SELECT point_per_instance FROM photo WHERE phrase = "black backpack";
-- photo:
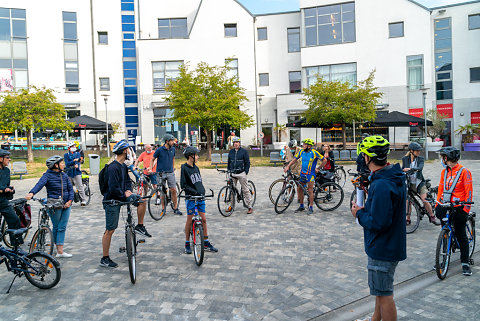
(103, 179)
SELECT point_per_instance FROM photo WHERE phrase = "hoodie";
(383, 217)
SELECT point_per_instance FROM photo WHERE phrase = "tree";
(209, 98)
(337, 102)
(467, 132)
(32, 110)
(438, 123)
(281, 131)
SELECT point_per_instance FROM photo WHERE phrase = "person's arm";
(185, 183)
(440, 187)
(68, 157)
(467, 181)
(376, 217)
(69, 188)
(229, 167)
(420, 163)
(322, 158)
(152, 161)
(38, 187)
(246, 159)
(114, 187)
(128, 184)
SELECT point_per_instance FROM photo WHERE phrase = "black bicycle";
(229, 194)
(339, 175)
(160, 197)
(42, 240)
(17, 205)
(86, 187)
(40, 269)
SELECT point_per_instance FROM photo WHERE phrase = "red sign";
(475, 117)
(416, 112)
(445, 109)
(413, 124)
(82, 125)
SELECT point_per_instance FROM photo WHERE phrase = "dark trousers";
(459, 219)
(13, 222)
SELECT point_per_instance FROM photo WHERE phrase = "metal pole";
(105, 98)
(261, 129)
(425, 118)
(354, 132)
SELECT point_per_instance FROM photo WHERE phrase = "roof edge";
(420, 5)
(276, 13)
(245, 8)
(455, 4)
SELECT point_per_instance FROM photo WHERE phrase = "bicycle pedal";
(140, 241)
(122, 249)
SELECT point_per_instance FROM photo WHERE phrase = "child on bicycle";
(191, 183)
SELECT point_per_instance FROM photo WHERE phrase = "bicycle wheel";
(6, 237)
(43, 271)
(42, 241)
(284, 199)
(253, 193)
(329, 196)
(226, 201)
(197, 242)
(86, 189)
(340, 176)
(157, 205)
(442, 254)
(131, 253)
(275, 189)
(170, 196)
(471, 236)
(413, 211)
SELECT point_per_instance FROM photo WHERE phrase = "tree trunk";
(344, 136)
(29, 146)
(209, 144)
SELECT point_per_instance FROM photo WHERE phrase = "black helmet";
(415, 146)
(292, 143)
(53, 160)
(168, 137)
(452, 153)
(4, 153)
(189, 151)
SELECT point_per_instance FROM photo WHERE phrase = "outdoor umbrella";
(89, 123)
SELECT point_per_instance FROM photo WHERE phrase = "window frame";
(100, 83)
(102, 33)
(260, 79)
(472, 15)
(163, 90)
(414, 57)
(395, 23)
(258, 33)
(170, 27)
(471, 69)
(299, 39)
(230, 26)
(290, 81)
(307, 85)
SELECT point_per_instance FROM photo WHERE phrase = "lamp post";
(105, 98)
(424, 94)
(260, 120)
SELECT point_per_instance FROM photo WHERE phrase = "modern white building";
(118, 55)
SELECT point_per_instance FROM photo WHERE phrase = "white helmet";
(71, 144)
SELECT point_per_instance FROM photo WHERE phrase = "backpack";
(103, 180)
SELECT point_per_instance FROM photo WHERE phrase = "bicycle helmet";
(53, 160)
(120, 147)
(4, 153)
(71, 144)
(235, 139)
(359, 147)
(309, 141)
(375, 147)
(77, 143)
(452, 153)
(415, 146)
(189, 151)
(168, 137)
(292, 143)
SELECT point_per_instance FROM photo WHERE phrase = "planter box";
(471, 147)
(434, 146)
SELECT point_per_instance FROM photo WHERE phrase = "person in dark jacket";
(383, 222)
(239, 164)
(6, 194)
(327, 153)
(59, 189)
(191, 183)
(73, 163)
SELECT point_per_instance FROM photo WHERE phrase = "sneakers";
(188, 250)
(177, 212)
(250, 211)
(434, 220)
(107, 262)
(300, 209)
(140, 229)
(209, 247)
(466, 270)
(83, 203)
(64, 254)
(310, 210)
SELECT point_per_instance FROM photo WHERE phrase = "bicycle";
(86, 187)
(447, 241)
(17, 205)
(359, 181)
(160, 197)
(42, 239)
(131, 241)
(229, 195)
(339, 175)
(196, 231)
(40, 269)
(143, 185)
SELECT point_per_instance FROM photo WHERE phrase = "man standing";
(165, 156)
(239, 164)
(383, 221)
(6, 194)
(72, 164)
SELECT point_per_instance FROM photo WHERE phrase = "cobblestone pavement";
(269, 267)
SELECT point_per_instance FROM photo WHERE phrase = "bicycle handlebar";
(197, 198)
(452, 204)
(43, 202)
(121, 203)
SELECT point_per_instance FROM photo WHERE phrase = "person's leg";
(55, 216)
(245, 191)
(310, 192)
(13, 222)
(388, 310)
(188, 226)
(459, 220)
(64, 215)
(172, 185)
(380, 281)
(112, 214)
(106, 240)
(79, 185)
(141, 209)
(300, 194)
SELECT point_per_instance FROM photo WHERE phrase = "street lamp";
(105, 98)
(260, 120)
(424, 94)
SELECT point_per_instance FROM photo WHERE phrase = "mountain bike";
(42, 240)
(229, 194)
(277, 186)
(143, 186)
(40, 269)
(17, 205)
(447, 241)
(160, 197)
(339, 175)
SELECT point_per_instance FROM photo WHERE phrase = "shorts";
(380, 276)
(304, 178)
(112, 213)
(191, 206)
(422, 190)
(170, 177)
(153, 178)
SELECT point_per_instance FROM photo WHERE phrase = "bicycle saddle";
(17, 231)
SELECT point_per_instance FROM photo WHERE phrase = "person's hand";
(76, 166)
(355, 209)
(128, 193)
(286, 168)
(8, 190)
(406, 169)
(317, 170)
(67, 204)
(29, 196)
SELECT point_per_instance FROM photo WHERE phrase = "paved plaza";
(269, 267)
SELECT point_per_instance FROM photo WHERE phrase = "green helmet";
(375, 147)
(309, 141)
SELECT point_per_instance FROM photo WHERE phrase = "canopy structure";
(398, 119)
(89, 123)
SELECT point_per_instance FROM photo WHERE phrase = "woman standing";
(59, 190)
(328, 154)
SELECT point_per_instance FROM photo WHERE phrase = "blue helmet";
(120, 147)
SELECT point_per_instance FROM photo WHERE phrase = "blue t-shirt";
(164, 159)
(309, 160)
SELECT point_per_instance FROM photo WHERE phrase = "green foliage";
(468, 131)
(282, 130)
(438, 125)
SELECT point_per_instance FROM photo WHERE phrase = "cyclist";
(456, 185)
(364, 172)
(290, 153)
(72, 162)
(120, 189)
(239, 164)
(165, 157)
(130, 162)
(308, 158)
(146, 158)
(413, 160)
(80, 150)
(191, 183)
(383, 222)
(59, 188)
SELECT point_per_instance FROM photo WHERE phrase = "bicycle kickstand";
(8, 291)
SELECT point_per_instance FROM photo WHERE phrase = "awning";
(398, 119)
(85, 122)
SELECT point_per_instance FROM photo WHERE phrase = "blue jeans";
(59, 220)
(135, 173)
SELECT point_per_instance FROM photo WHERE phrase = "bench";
(344, 155)
(275, 158)
(19, 168)
(217, 159)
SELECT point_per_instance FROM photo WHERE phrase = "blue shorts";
(191, 206)
(153, 178)
(304, 178)
(380, 277)
(112, 213)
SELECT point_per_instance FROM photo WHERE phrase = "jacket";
(238, 161)
(330, 159)
(191, 180)
(118, 182)
(69, 163)
(406, 163)
(53, 181)
(463, 191)
(4, 183)
(383, 217)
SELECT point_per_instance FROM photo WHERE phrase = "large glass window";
(475, 74)
(70, 51)
(295, 81)
(443, 58)
(474, 21)
(230, 30)
(293, 35)
(330, 24)
(262, 34)
(340, 72)
(395, 29)
(232, 64)
(163, 73)
(415, 72)
(172, 28)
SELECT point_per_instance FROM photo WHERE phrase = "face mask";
(293, 151)
(148, 151)
(73, 149)
(443, 164)
(128, 156)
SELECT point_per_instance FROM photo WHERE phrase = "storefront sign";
(413, 124)
(475, 117)
(416, 112)
(446, 110)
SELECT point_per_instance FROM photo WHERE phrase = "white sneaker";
(64, 254)
(83, 203)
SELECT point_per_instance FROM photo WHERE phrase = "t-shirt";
(146, 158)
(309, 160)
(164, 159)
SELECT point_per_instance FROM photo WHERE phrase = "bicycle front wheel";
(226, 201)
(43, 271)
(131, 253)
(157, 205)
(284, 199)
(253, 193)
(275, 189)
(198, 243)
(471, 236)
(442, 254)
(42, 241)
(340, 176)
(413, 215)
(170, 196)
(86, 189)
(329, 196)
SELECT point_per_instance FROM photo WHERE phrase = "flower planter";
(434, 146)
(471, 147)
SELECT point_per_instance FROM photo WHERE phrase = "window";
(341, 72)
(103, 37)
(163, 73)
(262, 34)
(230, 30)
(233, 67)
(293, 35)
(475, 74)
(70, 51)
(105, 84)
(295, 80)
(443, 58)
(330, 24)
(69, 25)
(263, 79)
(415, 72)
(395, 29)
(474, 21)
(172, 28)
